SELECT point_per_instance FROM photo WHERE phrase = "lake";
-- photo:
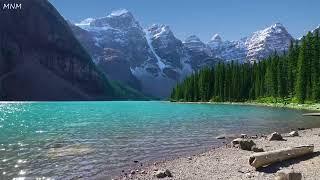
(65, 140)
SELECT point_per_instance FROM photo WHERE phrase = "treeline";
(292, 76)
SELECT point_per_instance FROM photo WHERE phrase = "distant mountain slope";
(40, 59)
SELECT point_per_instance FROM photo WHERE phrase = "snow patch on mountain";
(159, 62)
(119, 12)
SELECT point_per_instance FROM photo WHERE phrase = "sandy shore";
(232, 163)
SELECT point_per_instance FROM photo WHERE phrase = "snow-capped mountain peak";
(264, 42)
(192, 38)
(216, 38)
(215, 41)
(159, 30)
(85, 22)
(120, 12)
(255, 47)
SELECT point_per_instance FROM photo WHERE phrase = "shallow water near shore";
(65, 140)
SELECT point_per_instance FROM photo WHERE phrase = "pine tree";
(301, 74)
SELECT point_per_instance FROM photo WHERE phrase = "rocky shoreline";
(307, 107)
(232, 160)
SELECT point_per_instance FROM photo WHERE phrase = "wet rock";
(300, 129)
(236, 141)
(132, 172)
(254, 137)
(143, 172)
(256, 149)
(135, 161)
(294, 133)
(275, 137)
(189, 158)
(220, 137)
(288, 176)
(246, 144)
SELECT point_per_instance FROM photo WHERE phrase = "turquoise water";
(65, 140)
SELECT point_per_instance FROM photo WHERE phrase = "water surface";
(65, 140)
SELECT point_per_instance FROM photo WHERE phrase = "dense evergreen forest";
(292, 76)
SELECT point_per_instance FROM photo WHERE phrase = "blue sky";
(232, 19)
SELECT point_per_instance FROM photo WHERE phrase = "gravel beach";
(233, 163)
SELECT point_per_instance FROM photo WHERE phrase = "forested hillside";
(292, 76)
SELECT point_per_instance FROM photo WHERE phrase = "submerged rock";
(73, 150)
(275, 137)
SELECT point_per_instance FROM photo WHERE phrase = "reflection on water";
(93, 139)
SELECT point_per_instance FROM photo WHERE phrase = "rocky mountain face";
(254, 48)
(40, 59)
(200, 53)
(153, 60)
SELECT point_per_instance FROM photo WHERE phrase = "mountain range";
(153, 60)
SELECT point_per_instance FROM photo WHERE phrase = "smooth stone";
(294, 133)
(220, 137)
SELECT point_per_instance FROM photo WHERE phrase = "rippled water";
(97, 139)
